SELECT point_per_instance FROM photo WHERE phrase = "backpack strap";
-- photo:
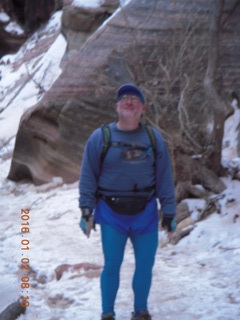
(152, 138)
(107, 142)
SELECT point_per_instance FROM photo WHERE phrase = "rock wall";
(52, 134)
(29, 14)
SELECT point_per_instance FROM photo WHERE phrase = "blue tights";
(145, 246)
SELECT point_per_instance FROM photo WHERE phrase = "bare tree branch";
(231, 12)
(183, 116)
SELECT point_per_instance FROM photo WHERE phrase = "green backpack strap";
(107, 142)
(152, 139)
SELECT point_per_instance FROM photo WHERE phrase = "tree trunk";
(217, 104)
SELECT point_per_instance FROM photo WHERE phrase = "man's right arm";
(88, 182)
(90, 171)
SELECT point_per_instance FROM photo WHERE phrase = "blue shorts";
(143, 222)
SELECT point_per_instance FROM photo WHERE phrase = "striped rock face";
(143, 42)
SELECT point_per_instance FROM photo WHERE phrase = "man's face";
(130, 106)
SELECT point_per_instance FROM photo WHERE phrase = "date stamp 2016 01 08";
(25, 247)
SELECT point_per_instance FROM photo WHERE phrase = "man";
(119, 191)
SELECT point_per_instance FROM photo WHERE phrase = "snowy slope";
(25, 76)
(199, 278)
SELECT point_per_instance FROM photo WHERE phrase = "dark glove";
(169, 224)
(87, 221)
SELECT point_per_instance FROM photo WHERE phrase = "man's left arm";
(165, 186)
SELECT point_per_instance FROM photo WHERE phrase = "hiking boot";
(108, 316)
(142, 315)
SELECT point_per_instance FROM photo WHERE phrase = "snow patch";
(231, 136)
(4, 17)
(14, 28)
(88, 3)
(22, 88)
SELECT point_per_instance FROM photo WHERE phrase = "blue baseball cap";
(131, 90)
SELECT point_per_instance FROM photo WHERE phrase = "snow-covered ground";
(199, 278)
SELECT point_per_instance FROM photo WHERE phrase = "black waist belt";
(136, 190)
(127, 205)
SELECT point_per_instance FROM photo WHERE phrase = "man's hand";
(169, 224)
(87, 221)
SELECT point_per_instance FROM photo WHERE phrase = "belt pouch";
(126, 205)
